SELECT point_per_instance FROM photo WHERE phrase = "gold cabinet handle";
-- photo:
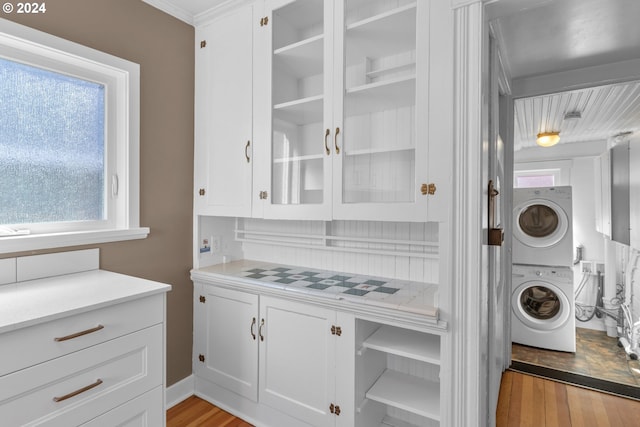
(335, 140)
(260, 330)
(253, 324)
(246, 151)
(77, 392)
(79, 334)
(326, 147)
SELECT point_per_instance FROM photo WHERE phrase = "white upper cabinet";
(224, 115)
(298, 72)
(340, 109)
(349, 110)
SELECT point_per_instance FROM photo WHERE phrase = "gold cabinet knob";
(429, 189)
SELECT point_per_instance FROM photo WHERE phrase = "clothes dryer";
(543, 307)
(543, 226)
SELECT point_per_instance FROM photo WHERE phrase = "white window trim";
(21, 42)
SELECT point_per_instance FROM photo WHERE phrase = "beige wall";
(163, 46)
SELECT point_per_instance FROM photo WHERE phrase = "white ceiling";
(541, 37)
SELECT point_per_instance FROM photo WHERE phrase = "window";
(69, 130)
(542, 174)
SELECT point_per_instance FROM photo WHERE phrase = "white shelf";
(302, 59)
(380, 96)
(394, 422)
(385, 34)
(298, 158)
(409, 393)
(300, 111)
(367, 151)
(406, 343)
(411, 67)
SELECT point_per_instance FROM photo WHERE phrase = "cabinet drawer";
(143, 411)
(36, 344)
(76, 388)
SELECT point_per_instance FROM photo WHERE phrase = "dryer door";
(541, 305)
(540, 223)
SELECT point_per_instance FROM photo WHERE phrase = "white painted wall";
(583, 183)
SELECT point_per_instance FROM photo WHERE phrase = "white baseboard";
(180, 391)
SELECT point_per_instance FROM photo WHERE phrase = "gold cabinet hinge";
(201, 357)
(203, 43)
(201, 192)
(203, 299)
(429, 189)
(334, 409)
(263, 195)
(264, 21)
(336, 330)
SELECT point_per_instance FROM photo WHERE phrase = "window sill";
(30, 242)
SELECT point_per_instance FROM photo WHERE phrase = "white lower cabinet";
(294, 351)
(397, 376)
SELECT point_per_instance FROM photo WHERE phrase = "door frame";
(471, 403)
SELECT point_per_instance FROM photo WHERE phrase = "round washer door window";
(540, 302)
(540, 223)
(540, 305)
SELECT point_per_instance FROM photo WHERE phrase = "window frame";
(122, 136)
(559, 169)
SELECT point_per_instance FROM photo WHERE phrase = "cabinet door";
(297, 69)
(225, 339)
(388, 125)
(223, 118)
(297, 354)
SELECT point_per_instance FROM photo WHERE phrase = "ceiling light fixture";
(548, 139)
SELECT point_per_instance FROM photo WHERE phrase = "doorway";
(555, 91)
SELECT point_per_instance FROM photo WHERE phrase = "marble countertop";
(406, 296)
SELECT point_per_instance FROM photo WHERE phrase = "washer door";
(540, 223)
(540, 305)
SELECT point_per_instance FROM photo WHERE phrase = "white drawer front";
(36, 344)
(126, 367)
(143, 411)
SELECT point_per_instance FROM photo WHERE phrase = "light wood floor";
(195, 412)
(525, 401)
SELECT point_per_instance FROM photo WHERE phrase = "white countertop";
(403, 296)
(31, 302)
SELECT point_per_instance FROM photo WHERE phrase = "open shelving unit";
(395, 376)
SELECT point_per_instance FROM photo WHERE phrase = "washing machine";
(543, 307)
(543, 226)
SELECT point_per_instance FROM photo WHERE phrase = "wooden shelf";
(406, 343)
(300, 111)
(385, 34)
(380, 96)
(406, 392)
(301, 59)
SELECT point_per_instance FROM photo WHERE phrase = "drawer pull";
(253, 324)
(79, 334)
(77, 392)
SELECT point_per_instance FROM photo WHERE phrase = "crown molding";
(173, 10)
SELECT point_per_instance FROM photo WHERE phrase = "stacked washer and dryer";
(542, 299)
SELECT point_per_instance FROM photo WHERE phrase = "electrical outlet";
(599, 266)
(216, 244)
(205, 246)
(586, 266)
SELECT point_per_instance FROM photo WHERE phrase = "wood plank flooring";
(525, 401)
(195, 412)
(528, 401)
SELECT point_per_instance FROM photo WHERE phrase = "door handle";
(496, 235)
